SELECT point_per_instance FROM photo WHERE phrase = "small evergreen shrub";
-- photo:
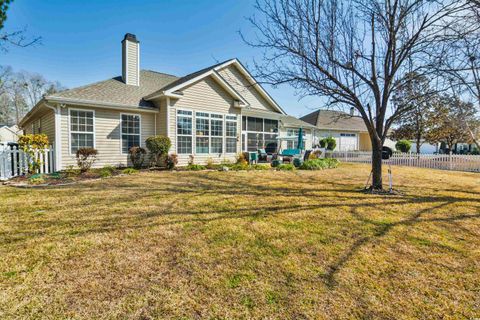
(85, 158)
(286, 167)
(403, 146)
(260, 166)
(107, 171)
(319, 164)
(137, 156)
(71, 171)
(158, 147)
(129, 171)
(36, 179)
(195, 167)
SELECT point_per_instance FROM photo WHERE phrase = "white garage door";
(347, 142)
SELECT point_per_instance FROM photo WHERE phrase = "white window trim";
(231, 137)
(121, 134)
(70, 129)
(184, 135)
(194, 131)
(209, 136)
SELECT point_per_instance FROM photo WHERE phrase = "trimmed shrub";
(129, 171)
(286, 167)
(85, 158)
(195, 167)
(329, 143)
(260, 166)
(107, 171)
(319, 164)
(172, 161)
(36, 179)
(403, 146)
(137, 156)
(158, 147)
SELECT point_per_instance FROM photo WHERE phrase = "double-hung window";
(202, 131)
(216, 132)
(130, 124)
(184, 131)
(231, 133)
(81, 130)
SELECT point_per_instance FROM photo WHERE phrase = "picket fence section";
(454, 162)
(15, 162)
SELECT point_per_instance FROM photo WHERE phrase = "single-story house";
(214, 113)
(347, 129)
(9, 133)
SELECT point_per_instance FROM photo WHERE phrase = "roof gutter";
(106, 105)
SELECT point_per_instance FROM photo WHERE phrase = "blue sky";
(81, 39)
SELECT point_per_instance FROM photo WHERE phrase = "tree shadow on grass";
(383, 229)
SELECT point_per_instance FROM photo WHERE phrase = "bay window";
(206, 133)
(81, 130)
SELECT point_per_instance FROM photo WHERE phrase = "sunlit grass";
(243, 245)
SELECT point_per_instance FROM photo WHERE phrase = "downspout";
(58, 136)
(167, 106)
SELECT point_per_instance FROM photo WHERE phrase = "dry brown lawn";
(224, 245)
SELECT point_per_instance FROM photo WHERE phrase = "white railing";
(15, 162)
(454, 162)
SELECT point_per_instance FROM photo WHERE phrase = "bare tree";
(457, 62)
(355, 52)
(19, 92)
(16, 38)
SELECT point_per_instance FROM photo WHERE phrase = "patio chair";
(262, 155)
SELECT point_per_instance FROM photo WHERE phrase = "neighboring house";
(9, 133)
(213, 113)
(348, 130)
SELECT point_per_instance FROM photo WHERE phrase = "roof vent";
(352, 111)
(131, 60)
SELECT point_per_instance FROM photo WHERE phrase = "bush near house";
(158, 147)
(85, 158)
(403, 146)
(30, 144)
(319, 164)
(137, 156)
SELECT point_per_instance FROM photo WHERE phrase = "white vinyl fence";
(14, 162)
(454, 162)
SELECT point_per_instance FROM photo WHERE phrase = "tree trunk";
(377, 167)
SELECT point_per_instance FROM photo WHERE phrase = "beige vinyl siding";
(204, 96)
(47, 124)
(107, 135)
(131, 63)
(248, 91)
(162, 117)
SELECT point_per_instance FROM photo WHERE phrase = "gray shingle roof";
(116, 91)
(191, 76)
(335, 120)
(290, 121)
